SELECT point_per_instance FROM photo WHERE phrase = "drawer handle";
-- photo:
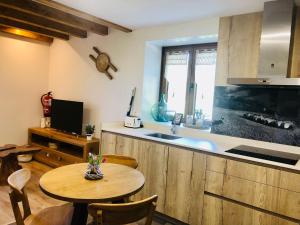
(48, 155)
(59, 158)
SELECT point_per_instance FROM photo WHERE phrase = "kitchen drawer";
(290, 181)
(261, 174)
(263, 196)
(256, 173)
(214, 182)
(55, 158)
(249, 192)
(216, 164)
(218, 211)
(267, 197)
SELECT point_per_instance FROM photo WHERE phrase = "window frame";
(190, 85)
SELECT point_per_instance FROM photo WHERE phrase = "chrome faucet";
(173, 129)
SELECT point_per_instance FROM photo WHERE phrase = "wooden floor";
(37, 199)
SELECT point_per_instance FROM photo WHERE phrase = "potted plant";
(89, 130)
(93, 171)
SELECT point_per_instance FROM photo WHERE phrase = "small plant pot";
(89, 137)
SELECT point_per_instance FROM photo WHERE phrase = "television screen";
(67, 116)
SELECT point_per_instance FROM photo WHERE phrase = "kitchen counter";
(208, 143)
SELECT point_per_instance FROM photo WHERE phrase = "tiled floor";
(37, 199)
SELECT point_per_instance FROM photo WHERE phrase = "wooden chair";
(57, 215)
(127, 213)
(120, 159)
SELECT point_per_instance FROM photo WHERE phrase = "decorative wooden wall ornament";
(103, 63)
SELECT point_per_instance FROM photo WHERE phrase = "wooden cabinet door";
(244, 44)
(223, 51)
(185, 185)
(152, 159)
(125, 146)
(221, 212)
(238, 47)
(295, 65)
(108, 143)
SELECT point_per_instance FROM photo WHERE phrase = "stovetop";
(265, 154)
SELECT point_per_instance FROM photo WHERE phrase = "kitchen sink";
(163, 136)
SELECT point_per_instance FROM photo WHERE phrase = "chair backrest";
(17, 181)
(121, 159)
(116, 214)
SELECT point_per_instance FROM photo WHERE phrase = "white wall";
(151, 82)
(73, 76)
(23, 79)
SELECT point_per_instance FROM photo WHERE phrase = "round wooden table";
(67, 183)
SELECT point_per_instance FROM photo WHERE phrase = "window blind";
(177, 58)
(206, 57)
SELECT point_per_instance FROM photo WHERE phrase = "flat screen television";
(66, 116)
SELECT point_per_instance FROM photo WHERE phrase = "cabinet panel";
(180, 166)
(197, 188)
(185, 185)
(290, 181)
(214, 182)
(125, 146)
(263, 196)
(252, 193)
(289, 203)
(295, 62)
(108, 143)
(238, 47)
(253, 172)
(212, 211)
(152, 159)
(244, 42)
(55, 158)
(222, 212)
(223, 51)
(216, 164)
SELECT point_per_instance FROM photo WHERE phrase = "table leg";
(80, 214)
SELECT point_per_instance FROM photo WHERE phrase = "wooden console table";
(9, 161)
(70, 148)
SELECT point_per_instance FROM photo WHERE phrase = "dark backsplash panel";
(257, 112)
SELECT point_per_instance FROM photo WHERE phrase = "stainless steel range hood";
(275, 46)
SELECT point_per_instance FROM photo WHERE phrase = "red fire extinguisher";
(46, 103)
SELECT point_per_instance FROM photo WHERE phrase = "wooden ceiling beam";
(28, 18)
(25, 34)
(83, 15)
(56, 14)
(32, 28)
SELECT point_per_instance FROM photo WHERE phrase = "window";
(187, 78)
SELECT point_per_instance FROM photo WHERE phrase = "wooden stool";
(9, 161)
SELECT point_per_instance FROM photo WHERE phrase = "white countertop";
(211, 144)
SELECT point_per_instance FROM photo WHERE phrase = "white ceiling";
(142, 13)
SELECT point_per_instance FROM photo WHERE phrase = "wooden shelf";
(64, 137)
(70, 148)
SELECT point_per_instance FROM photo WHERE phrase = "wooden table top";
(67, 183)
(17, 150)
